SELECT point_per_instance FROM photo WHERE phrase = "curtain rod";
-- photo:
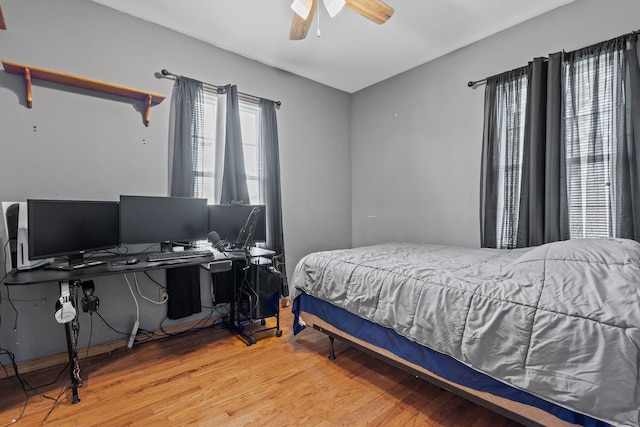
(168, 75)
(474, 84)
(477, 83)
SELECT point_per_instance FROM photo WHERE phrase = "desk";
(216, 263)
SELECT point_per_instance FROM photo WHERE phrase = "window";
(251, 145)
(593, 142)
(590, 115)
(205, 166)
(198, 162)
(209, 164)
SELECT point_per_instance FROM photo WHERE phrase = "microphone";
(213, 237)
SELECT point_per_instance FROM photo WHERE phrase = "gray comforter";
(561, 321)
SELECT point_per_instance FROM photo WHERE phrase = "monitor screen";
(149, 219)
(228, 221)
(70, 227)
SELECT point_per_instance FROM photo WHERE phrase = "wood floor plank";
(211, 378)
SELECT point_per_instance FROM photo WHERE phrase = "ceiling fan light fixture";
(302, 8)
(333, 6)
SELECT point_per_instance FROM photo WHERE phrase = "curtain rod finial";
(474, 85)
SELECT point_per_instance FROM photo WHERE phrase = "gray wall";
(84, 145)
(416, 138)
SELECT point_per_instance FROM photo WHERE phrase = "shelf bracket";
(27, 81)
(3, 24)
(147, 110)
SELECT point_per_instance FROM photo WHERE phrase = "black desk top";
(43, 275)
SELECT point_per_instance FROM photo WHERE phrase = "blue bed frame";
(439, 364)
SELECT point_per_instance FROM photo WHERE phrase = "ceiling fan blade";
(3, 25)
(300, 27)
(375, 10)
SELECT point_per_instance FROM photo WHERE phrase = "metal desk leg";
(74, 368)
(71, 330)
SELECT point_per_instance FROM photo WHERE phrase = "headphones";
(65, 311)
(90, 302)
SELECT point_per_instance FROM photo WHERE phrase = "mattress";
(559, 321)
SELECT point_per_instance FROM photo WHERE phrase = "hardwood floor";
(211, 378)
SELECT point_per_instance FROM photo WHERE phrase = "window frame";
(211, 163)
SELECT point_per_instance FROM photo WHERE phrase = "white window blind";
(250, 123)
(210, 163)
(590, 115)
(205, 164)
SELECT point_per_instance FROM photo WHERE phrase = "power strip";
(134, 331)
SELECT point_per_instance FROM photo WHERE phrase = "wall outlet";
(163, 295)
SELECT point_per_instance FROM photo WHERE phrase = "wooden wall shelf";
(30, 72)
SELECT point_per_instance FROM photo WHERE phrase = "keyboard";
(168, 256)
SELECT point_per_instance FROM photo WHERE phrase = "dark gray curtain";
(234, 181)
(556, 216)
(543, 215)
(501, 147)
(489, 169)
(270, 179)
(632, 136)
(185, 136)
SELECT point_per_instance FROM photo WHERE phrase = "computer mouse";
(132, 261)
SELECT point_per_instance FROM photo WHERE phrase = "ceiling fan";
(375, 10)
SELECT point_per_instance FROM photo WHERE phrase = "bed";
(548, 335)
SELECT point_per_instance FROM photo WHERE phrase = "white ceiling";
(352, 52)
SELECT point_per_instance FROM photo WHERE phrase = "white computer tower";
(15, 238)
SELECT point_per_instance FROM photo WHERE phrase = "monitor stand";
(75, 262)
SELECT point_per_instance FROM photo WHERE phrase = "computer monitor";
(71, 228)
(164, 220)
(229, 220)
